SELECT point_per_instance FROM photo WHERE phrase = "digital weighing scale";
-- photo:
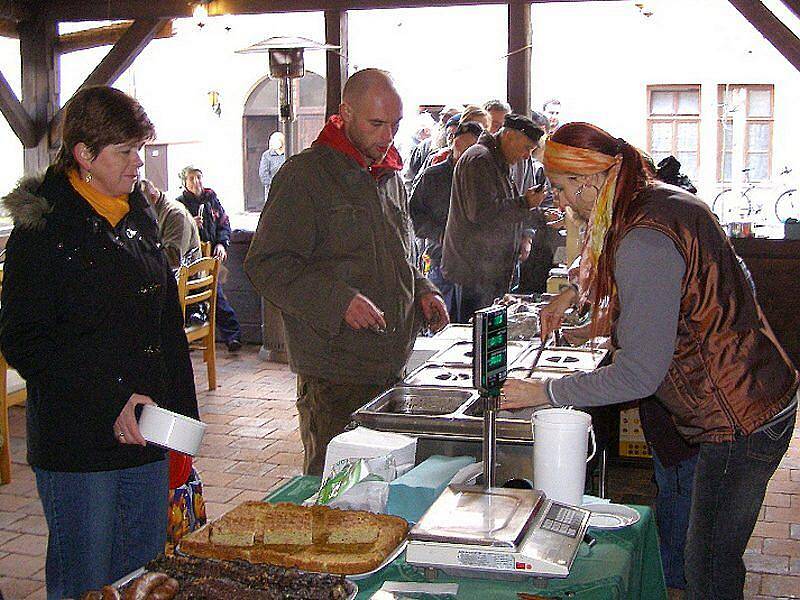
(490, 531)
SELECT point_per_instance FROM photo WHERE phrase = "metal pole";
(491, 404)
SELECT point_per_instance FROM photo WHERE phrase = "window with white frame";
(673, 125)
(745, 125)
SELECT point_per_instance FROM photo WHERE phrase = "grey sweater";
(648, 272)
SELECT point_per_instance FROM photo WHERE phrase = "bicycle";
(723, 205)
(787, 205)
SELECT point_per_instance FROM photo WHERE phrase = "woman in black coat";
(90, 318)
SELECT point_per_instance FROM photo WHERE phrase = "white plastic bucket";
(560, 445)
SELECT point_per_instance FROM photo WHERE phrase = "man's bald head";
(371, 110)
(366, 82)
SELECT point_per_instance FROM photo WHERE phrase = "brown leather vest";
(729, 374)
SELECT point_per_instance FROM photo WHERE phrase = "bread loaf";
(314, 538)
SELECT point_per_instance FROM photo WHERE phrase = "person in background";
(552, 110)
(485, 233)
(90, 318)
(497, 110)
(176, 227)
(215, 227)
(430, 204)
(332, 253)
(271, 160)
(686, 326)
(437, 140)
(471, 114)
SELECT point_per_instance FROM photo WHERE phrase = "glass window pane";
(688, 162)
(687, 136)
(689, 103)
(759, 166)
(758, 135)
(760, 103)
(662, 103)
(727, 169)
(660, 137)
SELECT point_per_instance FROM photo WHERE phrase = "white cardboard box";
(368, 443)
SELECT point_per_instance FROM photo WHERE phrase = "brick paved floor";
(252, 446)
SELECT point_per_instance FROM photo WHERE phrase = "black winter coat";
(89, 316)
(216, 224)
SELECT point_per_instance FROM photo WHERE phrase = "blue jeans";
(227, 323)
(101, 525)
(446, 288)
(673, 502)
(729, 485)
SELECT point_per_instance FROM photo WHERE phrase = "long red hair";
(635, 174)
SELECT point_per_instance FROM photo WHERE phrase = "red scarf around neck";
(332, 135)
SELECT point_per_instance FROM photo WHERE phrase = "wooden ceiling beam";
(93, 10)
(13, 10)
(772, 28)
(794, 6)
(102, 36)
(16, 115)
(124, 52)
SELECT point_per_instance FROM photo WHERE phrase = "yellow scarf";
(560, 158)
(111, 208)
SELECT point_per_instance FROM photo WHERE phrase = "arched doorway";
(260, 120)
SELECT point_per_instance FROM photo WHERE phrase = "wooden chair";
(205, 248)
(197, 283)
(12, 392)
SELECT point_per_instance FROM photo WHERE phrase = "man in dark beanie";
(487, 226)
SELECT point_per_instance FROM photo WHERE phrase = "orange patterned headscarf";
(560, 158)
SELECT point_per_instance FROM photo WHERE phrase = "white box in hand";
(368, 443)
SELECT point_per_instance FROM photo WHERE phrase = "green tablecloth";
(623, 564)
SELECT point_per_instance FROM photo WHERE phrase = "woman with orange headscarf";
(686, 327)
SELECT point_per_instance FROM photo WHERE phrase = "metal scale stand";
(486, 531)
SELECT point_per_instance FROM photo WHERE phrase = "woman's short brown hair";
(100, 116)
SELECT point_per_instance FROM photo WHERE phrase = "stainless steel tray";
(432, 374)
(572, 359)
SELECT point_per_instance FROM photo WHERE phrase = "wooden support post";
(771, 27)
(336, 61)
(40, 86)
(519, 56)
(17, 117)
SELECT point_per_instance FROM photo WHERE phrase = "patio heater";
(287, 67)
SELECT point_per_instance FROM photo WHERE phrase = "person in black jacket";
(91, 320)
(430, 203)
(215, 227)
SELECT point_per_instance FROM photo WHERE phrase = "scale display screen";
(490, 356)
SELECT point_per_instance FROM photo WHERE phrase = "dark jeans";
(324, 408)
(673, 503)
(101, 525)
(729, 485)
(227, 323)
(447, 289)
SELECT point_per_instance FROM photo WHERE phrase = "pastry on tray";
(311, 538)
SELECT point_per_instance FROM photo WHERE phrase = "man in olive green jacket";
(332, 252)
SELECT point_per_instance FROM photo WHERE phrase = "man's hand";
(521, 393)
(434, 310)
(220, 253)
(525, 248)
(199, 221)
(554, 218)
(551, 315)
(534, 196)
(362, 313)
(126, 428)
